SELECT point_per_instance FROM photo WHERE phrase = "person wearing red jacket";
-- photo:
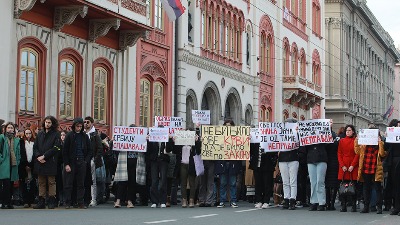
(348, 163)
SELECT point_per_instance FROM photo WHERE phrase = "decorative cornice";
(134, 6)
(128, 38)
(100, 27)
(66, 15)
(218, 68)
(21, 6)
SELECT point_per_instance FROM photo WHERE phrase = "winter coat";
(289, 156)
(360, 150)
(49, 145)
(5, 166)
(268, 160)
(69, 154)
(24, 161)
(222, 167)
(97, 148)
(331, 178)
(347, 157)
(390, 149)
(194, 150)
(154, 152)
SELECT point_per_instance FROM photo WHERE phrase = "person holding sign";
(289, 166)
(159, 160)
(370, 171)
(348, 164)
(184, 155)
(392, 166)
(227, 171)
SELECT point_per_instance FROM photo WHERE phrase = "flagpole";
(176, 68)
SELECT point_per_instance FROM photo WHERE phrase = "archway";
(211, 100)
(233, 106)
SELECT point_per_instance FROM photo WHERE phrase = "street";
(245, 214)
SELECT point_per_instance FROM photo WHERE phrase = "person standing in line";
(263, 166)
(77, 153)
(10, 157)
(228, 171)
(95, 162)
(46, 149)
(348, 164)
(331, 181)
(28, 181)
(159, 160)
(60, 173)
(392, 165)
(370, 170)
(289, 166)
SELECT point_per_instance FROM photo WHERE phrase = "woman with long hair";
(348, 164)
(27, 178)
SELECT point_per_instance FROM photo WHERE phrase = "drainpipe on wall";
(176, 69)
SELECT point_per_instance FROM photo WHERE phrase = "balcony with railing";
(301, 90)
(294, 23)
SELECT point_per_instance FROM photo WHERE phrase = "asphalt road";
(245, 214)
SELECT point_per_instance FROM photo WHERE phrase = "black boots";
(313, 207)
(285, 203)
(51, 202)
(292, 204)
(41, 204)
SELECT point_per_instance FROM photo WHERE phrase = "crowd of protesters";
(44, 167)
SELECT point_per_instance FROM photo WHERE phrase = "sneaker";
(234, 205)
(163, 206)
(117, 204)
(299, 204)
(130, 205)
(265, 206)
(153, 206)
(93, 203)
(258, 205)
(221, 205)
(82, 206)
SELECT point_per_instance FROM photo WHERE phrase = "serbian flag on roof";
(173, 8)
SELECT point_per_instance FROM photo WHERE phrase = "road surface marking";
(247, 210)
(373, 221)
(160, 221)
(202, 216)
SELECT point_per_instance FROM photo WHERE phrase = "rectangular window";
(158, 21)
(28, 80)
(100, 94)
(203, 30)
(158, 99)
(210, 33)
(67, 89)
(215, 39)
(221, 37)
(144, 103)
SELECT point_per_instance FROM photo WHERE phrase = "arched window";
(294, 62)
(248, 45)
(285, 60)
(316, 67)
(262, 51)
(158, 99)
(100, 94)
(28, 80)
(203, 29)
(265, 114)
(268, 55)
(303, 65)
(67, 89)
(316, 17)
(144, 103)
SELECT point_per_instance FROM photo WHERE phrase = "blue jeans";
(317, 172)
(231, 180)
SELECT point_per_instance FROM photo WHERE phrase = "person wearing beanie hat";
(76, 155)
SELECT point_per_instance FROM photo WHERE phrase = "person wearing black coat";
(391, 165)
(77, 154)
(263, 166)
(156, 154)
(46, 148)
(331, 181)
(26, 168)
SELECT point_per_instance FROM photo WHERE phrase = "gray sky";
(388, 14)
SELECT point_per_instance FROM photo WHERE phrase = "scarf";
(10, 139)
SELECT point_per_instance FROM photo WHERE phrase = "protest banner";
(129, 139)
(173, 123)
(185, 137)
(201, 116)
(255, 136)
(277, 137)
(315, 132)
(158, 134)
(368, 136)
(393, 134)
(225, 143)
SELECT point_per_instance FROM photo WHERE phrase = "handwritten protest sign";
(315, 132)
(278, 136)
(173, 123)
(393, 134)
(158, 134)
(368, 136)
(129, 139)
(185, 137)
(255, 136)
(225, 143)
(201, 116)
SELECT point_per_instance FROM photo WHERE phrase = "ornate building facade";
(251, 62)
(360, 66)
(73, 58)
